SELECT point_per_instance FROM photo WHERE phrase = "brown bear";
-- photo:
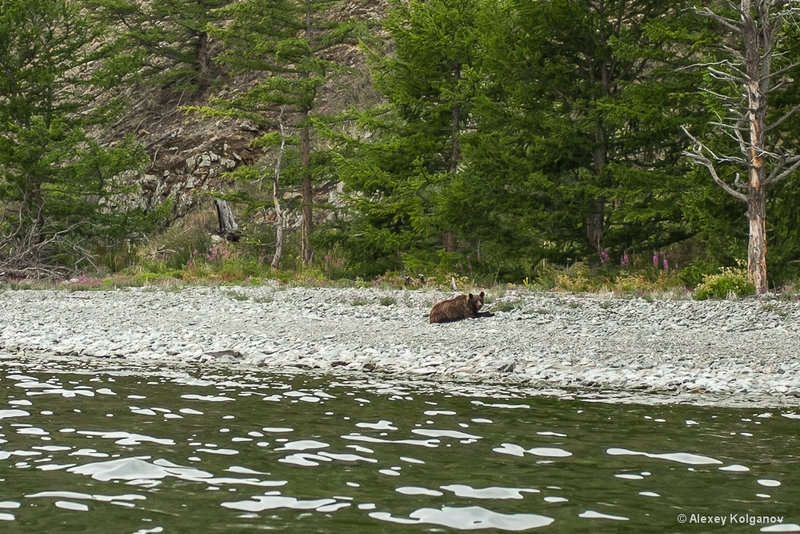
(457, 308)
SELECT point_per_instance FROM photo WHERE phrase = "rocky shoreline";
(721, 349)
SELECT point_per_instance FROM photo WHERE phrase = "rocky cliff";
(190, 154)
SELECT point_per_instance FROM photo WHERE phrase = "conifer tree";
(168, 40)
(563, 147)
(582, 103)
(54, 177)
(405, 170)
(288, 44)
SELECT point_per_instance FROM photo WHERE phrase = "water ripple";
(259, 503)
(591, 514)
(455, 434)
(494, 492)
(127, 438)
(7, 414)
(468, 518)
(680, 457)
(373, 452)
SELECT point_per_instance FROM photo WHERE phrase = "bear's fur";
(457, 308)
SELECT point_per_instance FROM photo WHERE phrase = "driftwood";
(228, 228)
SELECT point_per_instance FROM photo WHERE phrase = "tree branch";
(781, 170)
(734, 131)
(699, 157)
(740, 76)
(781, 71)
(731, 24)
(783, 118)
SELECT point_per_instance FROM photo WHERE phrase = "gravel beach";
(725, 349)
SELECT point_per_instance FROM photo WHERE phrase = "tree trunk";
(276, 259)
(449, 241)
(596, 220)
(757, 246)
(757, 85)
(203, 60)
(306, 252)
(756, 192)
(37, 213)
(595, 224)
(228, 228)
(455, 128)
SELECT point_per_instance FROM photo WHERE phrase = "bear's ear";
(481, 294)
(471, 297)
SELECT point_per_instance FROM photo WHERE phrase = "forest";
(544, 142)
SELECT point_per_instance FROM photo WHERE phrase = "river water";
(208, 450)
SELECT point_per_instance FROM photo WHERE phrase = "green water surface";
(203, 450)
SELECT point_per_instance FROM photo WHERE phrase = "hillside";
(189, 153)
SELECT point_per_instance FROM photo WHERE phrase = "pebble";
(743, 347)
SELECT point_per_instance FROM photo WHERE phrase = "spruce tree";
(56, 182)
(166, 40)
(288, 44)
(583, 103)
(403, 172)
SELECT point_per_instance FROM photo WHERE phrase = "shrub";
(577, 278)
(730, 282)
(694, 273)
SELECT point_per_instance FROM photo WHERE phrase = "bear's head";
(475, 302)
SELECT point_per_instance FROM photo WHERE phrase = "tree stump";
(228, 229)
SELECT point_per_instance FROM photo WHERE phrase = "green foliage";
(59, 188)
(510, 125)
(164, 42)
(398, 177)
(573, 126)
(783, 230)
(513, 138)
(693, 274)
(730, 282)
(288, 44)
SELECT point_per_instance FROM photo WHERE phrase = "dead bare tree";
(279, 219)
(754, 68)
